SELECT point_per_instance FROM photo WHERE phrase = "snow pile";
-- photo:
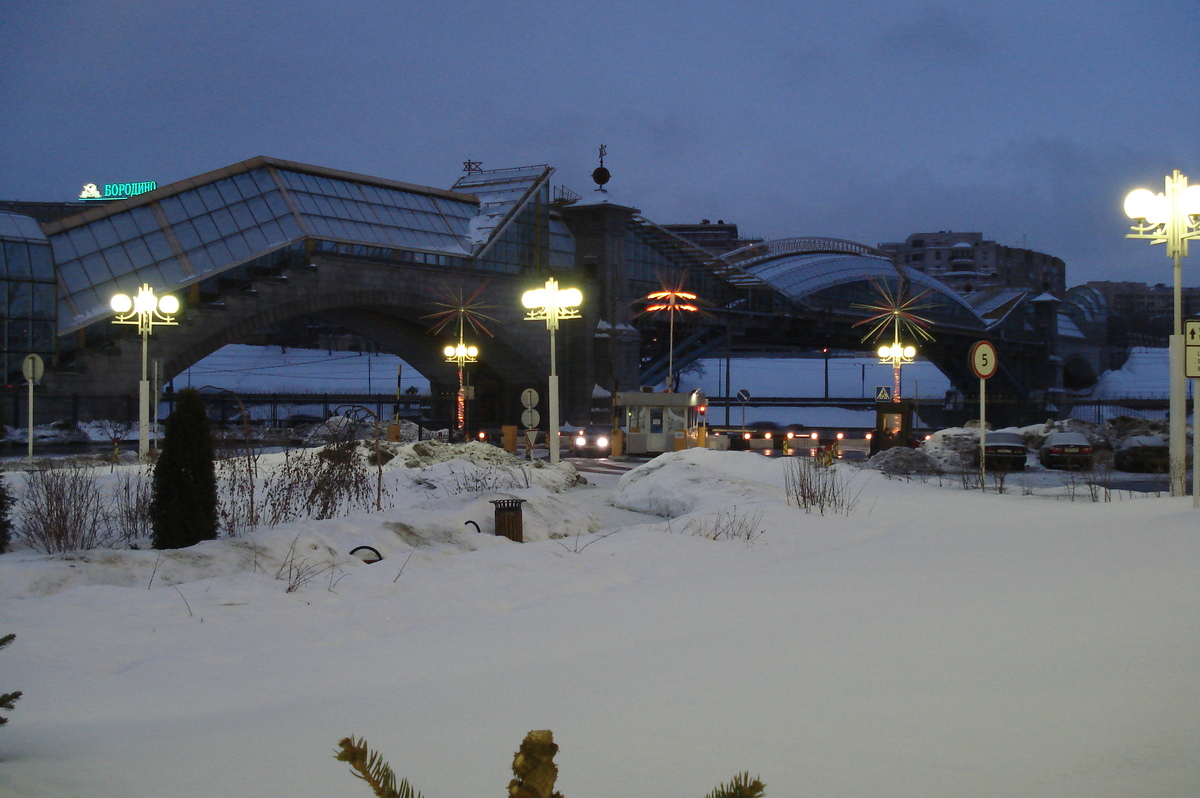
(974, 643)
(903, 461)
(693, 480)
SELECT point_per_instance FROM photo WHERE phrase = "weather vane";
(601, 175)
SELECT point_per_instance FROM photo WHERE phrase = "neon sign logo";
(115, 191)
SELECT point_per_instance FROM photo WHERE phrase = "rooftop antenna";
(472, 167)
(601, 175)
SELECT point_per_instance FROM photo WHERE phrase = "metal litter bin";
(508, 519)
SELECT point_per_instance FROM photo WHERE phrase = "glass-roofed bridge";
(255, 245)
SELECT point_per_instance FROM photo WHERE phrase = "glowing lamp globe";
(1143, 203)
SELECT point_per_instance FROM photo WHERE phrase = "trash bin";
(508, 519)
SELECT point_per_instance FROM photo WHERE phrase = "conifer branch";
(7, 700)
(369, 766)
(740, 787)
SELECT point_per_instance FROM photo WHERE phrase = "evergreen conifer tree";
(6, 503)
(7, 699)
(183, 504)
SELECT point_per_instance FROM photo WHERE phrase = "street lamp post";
(897, 354)
(1171, 218)
(461, 354)
(145, 310)
(550, 304)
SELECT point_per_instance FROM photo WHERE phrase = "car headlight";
(602, 441)
(581, 441)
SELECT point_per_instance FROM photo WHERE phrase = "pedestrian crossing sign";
(883, 393)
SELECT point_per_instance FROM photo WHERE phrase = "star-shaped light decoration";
(672, 300)
(896, 309)
(463, 309)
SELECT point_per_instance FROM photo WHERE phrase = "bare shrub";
(483, 479)
(812, 486)
(130, 505)
(238, 496)
(299, 571)
(63, 510)
(332, 481)
(728, 524)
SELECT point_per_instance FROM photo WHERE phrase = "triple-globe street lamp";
(145, 310)
(1172, 218)
(551, 304)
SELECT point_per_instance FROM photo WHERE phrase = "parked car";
(591, 441)
(1066, 450)
(1148, 453)
(1005, 452)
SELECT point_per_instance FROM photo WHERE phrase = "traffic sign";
(983, 359)
(743, 395)
(883, 393)
(1191, 349)
(530, 418)
(33, 368)
(529, 398)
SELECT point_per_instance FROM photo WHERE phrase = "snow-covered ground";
(929, 641)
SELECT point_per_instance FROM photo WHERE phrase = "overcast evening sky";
(858, 119)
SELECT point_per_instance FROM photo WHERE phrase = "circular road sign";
(530, 418)
(983, 359)
(33, 368)
(743, 395)
(529, 398)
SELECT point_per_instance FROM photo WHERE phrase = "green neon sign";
(115, 191)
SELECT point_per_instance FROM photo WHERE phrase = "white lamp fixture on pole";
(550, 304)
(897, 354)
(145, 310)
(1171, 218)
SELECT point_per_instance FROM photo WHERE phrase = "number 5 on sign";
(983, 359)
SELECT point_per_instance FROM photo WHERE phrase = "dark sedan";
(1145, 453)
(593, 441)
(1005, 451)
(1066, 450)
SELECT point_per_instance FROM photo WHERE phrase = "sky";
(865, 120)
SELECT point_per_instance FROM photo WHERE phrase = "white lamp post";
(145, 310)
(550, 304)
(1171, 218)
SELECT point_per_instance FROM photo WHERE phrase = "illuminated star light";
(896, 309)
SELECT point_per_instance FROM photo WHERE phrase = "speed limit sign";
(983, 359)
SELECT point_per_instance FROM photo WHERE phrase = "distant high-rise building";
(968, 263)
(716, 238)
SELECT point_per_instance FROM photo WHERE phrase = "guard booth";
(661, 422)
(893, 425)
